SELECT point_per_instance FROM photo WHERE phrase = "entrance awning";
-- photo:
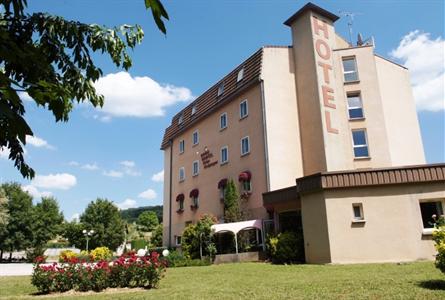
(236, 227)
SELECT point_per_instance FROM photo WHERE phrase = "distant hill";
(131, 214)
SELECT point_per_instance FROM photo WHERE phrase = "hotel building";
(320, 131)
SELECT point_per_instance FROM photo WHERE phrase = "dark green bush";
(177, 259)
(139, 244)
(286, 247)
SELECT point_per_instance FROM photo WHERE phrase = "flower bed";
(128, 270)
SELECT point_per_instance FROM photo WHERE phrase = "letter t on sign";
(320, 25)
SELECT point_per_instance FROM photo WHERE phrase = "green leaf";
(158, 11)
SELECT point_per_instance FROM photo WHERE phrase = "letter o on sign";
(323, 49)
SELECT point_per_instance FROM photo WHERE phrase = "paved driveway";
(15, 269)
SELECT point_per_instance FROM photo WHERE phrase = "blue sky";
(115, 153)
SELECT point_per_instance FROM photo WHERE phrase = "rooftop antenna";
(350, 16)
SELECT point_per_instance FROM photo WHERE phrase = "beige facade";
(300, 122)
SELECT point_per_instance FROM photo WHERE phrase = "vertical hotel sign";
(324, 62)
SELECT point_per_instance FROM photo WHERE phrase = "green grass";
(419, 280)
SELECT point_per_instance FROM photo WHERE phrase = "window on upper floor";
(430, 211)
(357, 210)
(224, 155)
(195, 137)
(223, 121)
(243, 109)
(221, 89)
(181, 174)
(360, 143)
(350, 69)
(240, 75)
(180, 119)
(181, 146)
(195, 168)
(193, 110)
(245, 146)
(355, 106)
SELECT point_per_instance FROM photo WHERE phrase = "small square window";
(181, 146)
(240, 75)
(181, 174)
(360, 143)
(243, 109)
(193, 110)
(428, 210)
(224, 155)
(355, 106)
(195, 138)
(195, 167)
(350, 69)
(178, 240)
(245, 146)
(357, 209)
(221, 89)
(223, 121)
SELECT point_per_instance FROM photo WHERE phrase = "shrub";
(439, 242)
(67, 255)
(177, 259)
(139, 244)
(126, 271)
(101, 253)
(33, 253)
(197, 236)
(286, 247)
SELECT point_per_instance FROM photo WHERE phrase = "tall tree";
(103, 217)
(19, 228)
(148, 220)
(232, 212)
(48, 57)
(72, 231)
(47, 221)
(156, 236)
(4, 217)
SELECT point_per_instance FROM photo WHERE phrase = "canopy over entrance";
(236, 227)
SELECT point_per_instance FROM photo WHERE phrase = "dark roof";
(315, 8)
(210, 100)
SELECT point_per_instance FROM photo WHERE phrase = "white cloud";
(113, 173)
(127, 203)
(90, 167)
(148, 194)
(127, 96)
(158, 177)
(38, 142)
(75, 217)
(73, 163)
(424, 57)
(128, 163)
(34, 192)
(60, 181)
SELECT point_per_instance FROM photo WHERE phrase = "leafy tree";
(156, 236)
(47, 221)
(72, 231)
(49, 58)
(103, 217)
(131, 214)
(197, 237)
(148, 220)
(18, 235)
(232, 212)
(4, 215)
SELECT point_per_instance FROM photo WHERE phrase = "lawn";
(419, 280)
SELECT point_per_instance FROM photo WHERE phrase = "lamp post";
(87, 235)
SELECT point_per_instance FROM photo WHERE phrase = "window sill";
(242, 118)
(194, 175)
(180, 211)
(428, 231)
(352, 82)
(245, 154)
(362, 158)
(224, 163)
(193, 145)
(222, 129)
(357, 119)
(182, 180)
(358, 221)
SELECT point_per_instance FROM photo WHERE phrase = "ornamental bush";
(128, 270)
(101, 253)
(439, 242)
(286, 247)
(67, 255)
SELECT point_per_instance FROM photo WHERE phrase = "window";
(355, 106)
(357, 209)
(178, 240)
(221, 89)
(224, 155)
(222, 193)
(247, 186)
(245, 146)
(181, 146)
(240, 75)
(243, 109)
(195, 138)
(350, 69)
(180, 119)
(428, 210)
(193, 110)
(223, 121)
(181, 204)
(195, 201)
(195, 167)
(360, 143)
(181, 174)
